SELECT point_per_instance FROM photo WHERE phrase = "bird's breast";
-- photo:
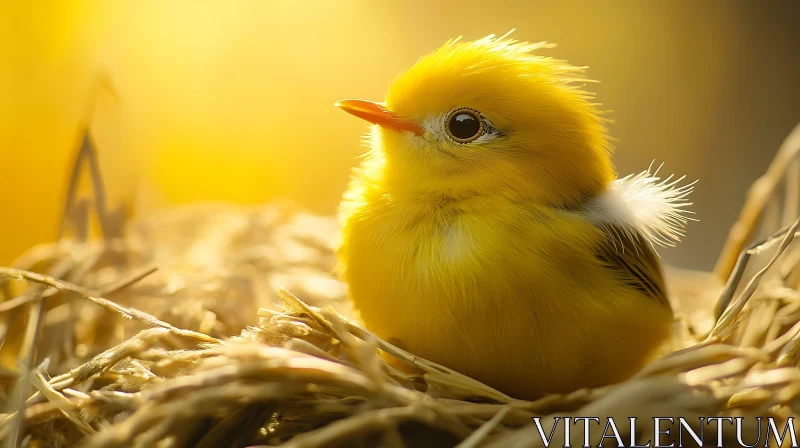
(464, 253)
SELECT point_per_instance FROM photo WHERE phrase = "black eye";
(464, 125)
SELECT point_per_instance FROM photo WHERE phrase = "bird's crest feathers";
(494, 51)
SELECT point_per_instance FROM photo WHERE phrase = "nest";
(171, 336)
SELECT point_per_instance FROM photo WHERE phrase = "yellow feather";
(480, 256)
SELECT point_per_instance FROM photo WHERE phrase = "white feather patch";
(644, 204)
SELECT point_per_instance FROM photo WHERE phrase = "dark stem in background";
(76, 211)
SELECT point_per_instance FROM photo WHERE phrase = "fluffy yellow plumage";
(485, 229)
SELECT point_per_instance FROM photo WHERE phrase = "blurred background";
(233, 101)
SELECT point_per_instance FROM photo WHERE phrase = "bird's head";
(490, 114)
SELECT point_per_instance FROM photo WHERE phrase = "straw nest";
(172, 336)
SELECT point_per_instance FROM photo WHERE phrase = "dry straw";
(178, 356)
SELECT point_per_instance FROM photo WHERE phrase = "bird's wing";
(636, 213)
(635, 260)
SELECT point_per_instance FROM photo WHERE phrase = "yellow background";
(232, 100)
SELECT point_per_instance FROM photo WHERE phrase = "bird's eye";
(464, 125)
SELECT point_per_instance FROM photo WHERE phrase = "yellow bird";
(486, 230)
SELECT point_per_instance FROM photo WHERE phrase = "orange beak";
(377, 113)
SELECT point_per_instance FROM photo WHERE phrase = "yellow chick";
(485, 229)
